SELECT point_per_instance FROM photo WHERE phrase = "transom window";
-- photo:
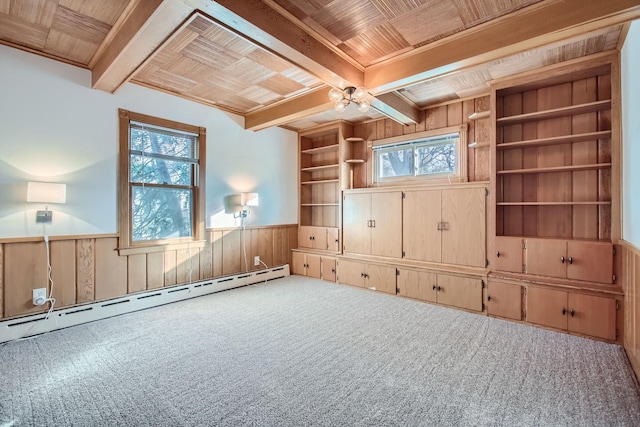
(162, 182)
(425, 157)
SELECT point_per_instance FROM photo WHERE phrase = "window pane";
(395, 163)
(149, 140)
(160, 213)
(151, 170)
(434, 159)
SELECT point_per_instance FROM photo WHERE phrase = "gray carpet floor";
(302, 352)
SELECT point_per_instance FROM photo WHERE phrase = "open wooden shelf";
(354, 161)
(590, 136)
(318, 150)
(319, 168)
(589, 107)
(556, 169)
(318, 204)
(320, 181)
(354, 139)
(552, 203)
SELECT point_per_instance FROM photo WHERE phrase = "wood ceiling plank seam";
(67, 46)
(347, 19)
(22, 33)
(84, 27)
(106, 11)
(443, 19)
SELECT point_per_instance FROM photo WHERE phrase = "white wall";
(631, 136)
(55, 128)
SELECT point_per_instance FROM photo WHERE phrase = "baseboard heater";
(38, 323)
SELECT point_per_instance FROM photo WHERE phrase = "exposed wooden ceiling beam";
(308, 104)
(257, 22)
(149, 23)
(543, 23)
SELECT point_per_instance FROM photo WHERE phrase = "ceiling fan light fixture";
(350, 95)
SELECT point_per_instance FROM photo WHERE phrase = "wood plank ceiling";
(273, 61)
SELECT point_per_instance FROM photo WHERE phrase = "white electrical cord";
(244, 244)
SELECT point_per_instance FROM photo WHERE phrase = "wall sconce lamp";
(239, 204)
(350, 95)
(46, 192)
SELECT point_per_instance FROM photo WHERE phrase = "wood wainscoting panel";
(63, 272)
(85, 273)
(111, 270)
(631, 287)
(155, 270)
(170, 273)
(25, 269)
(137, 273)
(89, 268)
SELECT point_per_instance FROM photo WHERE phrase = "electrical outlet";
(39, 296)
(256, 260)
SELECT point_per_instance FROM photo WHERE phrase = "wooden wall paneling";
(469, 107)
(483, 133)
(512, 159)
(253, 239)
(231, 252)
(605, 217)
(206, 258)
(265, 247)
(293, 241)
(25, 269)
(454, 114)
(585, 183)
(1, 281)
(170, 264)
(184, 266)
(136, 273)
(422, 123)
(380, 126)
(216, 249)
(554, 220)
(280, 246)
(155, 270)
(392, 128)
(436, 117)
(63, 272)
(111, 270)
(530, 161)
(85, 273)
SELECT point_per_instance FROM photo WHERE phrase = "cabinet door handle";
(337, 241)
(571, 312)
(488, 297)
(564, 311)
(438, 288)
(333, 270)
(570, 260)
(445, 226)
(373, 223)
(498, 254)
(562, 261)
(434, 287)
(439, 226)
(361, 274)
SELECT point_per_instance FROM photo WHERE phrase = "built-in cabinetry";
(373, 223)
(554, 208)
(445, 226)
(313, 265)
(443, 288)
(367, 275)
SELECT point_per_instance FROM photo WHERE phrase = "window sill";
(161, 247)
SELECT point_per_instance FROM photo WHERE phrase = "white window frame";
(417, 140)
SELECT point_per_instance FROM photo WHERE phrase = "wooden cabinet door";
(328, 266)
(547, 307)
(508, 256)
(333, 239)
(421, 216)
(313, 265)
(386, 231)
(460, 292)
(304, 237)
(417, 284)
(547, 257)
(591, 261)
(351, 273)
(504, 300)
(356, 232)
(464, 232)
(592, 315)
(319, 238)
(381, 278)
(298, 263)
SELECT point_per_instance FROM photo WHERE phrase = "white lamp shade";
(249, 199)
(46, 192)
